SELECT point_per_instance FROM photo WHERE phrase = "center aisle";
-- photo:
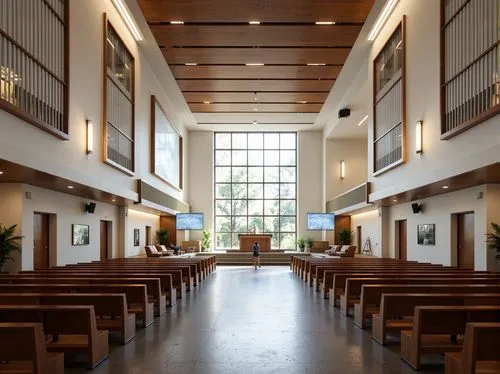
(253, 321)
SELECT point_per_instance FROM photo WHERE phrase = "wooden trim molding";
(154, 104)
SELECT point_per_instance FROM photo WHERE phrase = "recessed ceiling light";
(191, 64)
(113, 200)
(362, 121)
(302, 102)
(325, 23)
(255, 64)
(255, 108)
(254, 22)
(206, 102)
(446, 187)
(395, 200)
(316, 64)
(255, 122)
(70, 187)
(177, 22)
(255, 98)
(1, 172)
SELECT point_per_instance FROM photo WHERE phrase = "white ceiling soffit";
(351, 89)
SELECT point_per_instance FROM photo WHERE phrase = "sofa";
(341, 250)
(151, 251)
(164, 250)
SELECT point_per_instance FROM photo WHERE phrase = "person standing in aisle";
(256, 255)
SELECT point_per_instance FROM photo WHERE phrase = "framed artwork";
(80, 234)
(166, 147)
(136, 237)
(426, 234)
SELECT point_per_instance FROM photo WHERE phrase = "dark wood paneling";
(341, 223)
(255, 72)
(242, 107)
(251, 36)
(402, 240)
(255, 85)
(465, 231)
(262, 10)
(248, 97)
(40, 241)
(276, 56)
(168, 223)
(104, 241)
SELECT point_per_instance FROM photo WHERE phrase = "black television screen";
(189, 221)
(320, 221)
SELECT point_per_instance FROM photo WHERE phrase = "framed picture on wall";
(136, 237)
(426, 234)
(80, 234)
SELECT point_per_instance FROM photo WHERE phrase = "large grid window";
(34, 62)
(255, 187)
(470, 86)
(389, 84)
(119, 99)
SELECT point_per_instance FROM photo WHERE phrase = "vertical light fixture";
(418, 137)
(90, 137)
(128, 19)
(342, 169)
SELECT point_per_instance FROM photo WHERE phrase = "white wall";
(10, 214)
(69, 210)
(139, 220)
(439, 210)
(310, 179)
(370, 223)
(201, 177)
(353, 152)
(472, 149)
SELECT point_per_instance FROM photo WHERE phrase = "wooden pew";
(371, 294)
(397, 309)
(435, 330)
(480, 352)
(353, 286)
(160, 289)
(137, 297)
(72, 328)
(110, 309)
(23, 350)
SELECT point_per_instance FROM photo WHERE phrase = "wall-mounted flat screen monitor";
(189, 221)
(320, 221)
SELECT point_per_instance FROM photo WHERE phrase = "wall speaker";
(345, 112)
(90, 208)
(416, 207)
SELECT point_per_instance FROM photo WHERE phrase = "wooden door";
(402, 240)
(104, 240)
(358, 239)
(465, 240)
(148, 235)
(41, 241)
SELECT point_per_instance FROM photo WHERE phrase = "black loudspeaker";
(345, 112)
(90, 207)
(416, 207)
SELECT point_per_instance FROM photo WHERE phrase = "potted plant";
(345, 237)
(301, 243)
(162, 237)
(206, 240)
(309, 243)
(8, 244)
(493, 239)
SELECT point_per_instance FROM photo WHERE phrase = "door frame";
(397, 237)
(52, 233)
(109, 237)
(358, 238)
(454, 237)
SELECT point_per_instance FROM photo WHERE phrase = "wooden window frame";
(106, 160)
(403, 159)
(473, 121)
(154, 103)
(29, 118)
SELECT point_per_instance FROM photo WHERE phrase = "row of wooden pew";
(77, 309)
(435, 309)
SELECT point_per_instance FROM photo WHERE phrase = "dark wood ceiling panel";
(248, 97)
(255, 35)
(249, 108)
(262, 10)
(255, 85)
(273, 56)
(255, 72)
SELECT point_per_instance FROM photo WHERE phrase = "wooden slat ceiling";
(298, 60)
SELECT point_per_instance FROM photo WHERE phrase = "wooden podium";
(247, 241)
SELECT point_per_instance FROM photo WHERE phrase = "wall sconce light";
(342, 169)
(418, 137)
(90, 137)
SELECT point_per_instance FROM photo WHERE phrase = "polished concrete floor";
(242, 320)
